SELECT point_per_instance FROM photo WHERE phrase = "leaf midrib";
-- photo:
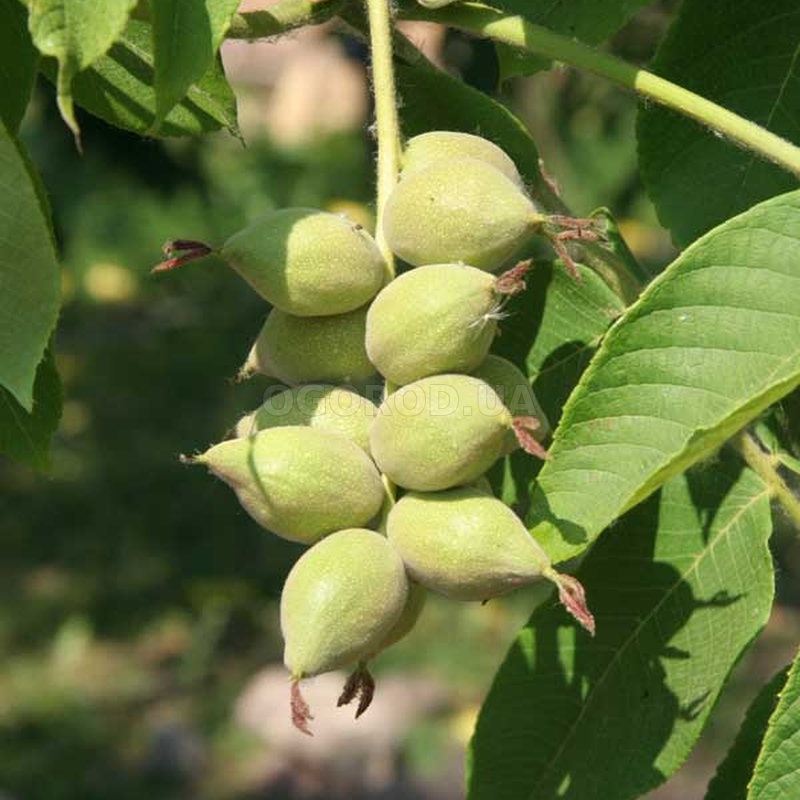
(723, 531)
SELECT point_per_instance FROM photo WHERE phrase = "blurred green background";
(138, 614)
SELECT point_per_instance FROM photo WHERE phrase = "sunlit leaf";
(710, 344)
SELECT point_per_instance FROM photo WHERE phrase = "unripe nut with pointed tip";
(340, 602)
(464, 544)
(330, 408)
(467, 545)
(299, 483)
(439, 432)
(427, 148)
(300, 350)
(307, 262)
(435, 319)
(459, 210)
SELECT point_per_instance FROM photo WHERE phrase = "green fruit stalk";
(459, 210)
(428, 148)
(300, 350)
(330, 408)
(340, 602)
(431, 320)
(299, 483)
(302, 261)
(467, 545)
(443, 431)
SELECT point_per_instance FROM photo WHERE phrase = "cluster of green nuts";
(390, 494)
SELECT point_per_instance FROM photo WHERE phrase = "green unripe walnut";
(300, 350)
(439, 432)
(340, 602)
(300, 483)
(464, 544)
(330, 408)
(435, 319)
(307, 262)
(458, 210)
(516, 393)
(427, 148)
(467, 545)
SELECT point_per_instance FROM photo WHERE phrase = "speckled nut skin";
(300, 350)
(427, 148)
(516, 393)
(464, 544)
(307, 262)
(459, 210)
(432, 320)
(300, 483)
(340, 601)
(330, 408)
(439, 432)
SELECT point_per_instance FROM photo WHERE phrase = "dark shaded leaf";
(744, 56)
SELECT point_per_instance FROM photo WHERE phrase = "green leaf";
(119, 90)
(777, 771)
(18, 62)
(790, 462)
(186, 37)
(550, 331)
(433, 100)
(25, 435)
(744, 56)
(76, 33)
(679, 589)
(29, 278)
(709, 345)
(733, 774)
(615, 242)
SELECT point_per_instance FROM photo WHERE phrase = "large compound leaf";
(733, 774)
(710, 344)
(76, 33)
(18, 62)
(745, 56)
(679, 589)
(29, 279)
(119, 89)
(25, 435)
(186, 37)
